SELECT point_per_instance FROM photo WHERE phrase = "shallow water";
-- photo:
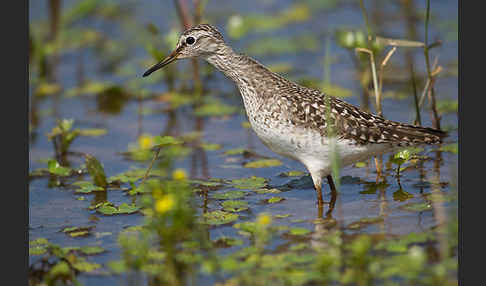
(53, 208)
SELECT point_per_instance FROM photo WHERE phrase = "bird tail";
(413, 134)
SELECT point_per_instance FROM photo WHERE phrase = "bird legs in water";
(320, 202)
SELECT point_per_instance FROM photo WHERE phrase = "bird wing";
(312, 109)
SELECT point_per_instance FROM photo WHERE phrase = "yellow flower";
(145, 141)
(179, 174)
(165, 204)
(264, 219)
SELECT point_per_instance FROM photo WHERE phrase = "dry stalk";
(373, 72)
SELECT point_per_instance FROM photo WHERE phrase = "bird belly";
(310, 148)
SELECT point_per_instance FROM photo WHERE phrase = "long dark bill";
(172, 57)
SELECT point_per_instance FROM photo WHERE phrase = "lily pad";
(263, 163)
(417, 207)
(91, 250)
(87, 187)
(292, 174)
(235, 206)
(236, 151)
(363, 222)
(299, 231)
(281, 215)
(211, 183)
(219, 217)
(85, 266)
(210, 146)
(249, 183)
(230, 195)
(77, 231)
(124, 208)
(268, 191)
(274, 200)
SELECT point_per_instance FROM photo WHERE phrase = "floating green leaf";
(263, 163)
(268, 191)
(86, 187)
(85, 266)
(91, 250)
(235, 206)
(249, 183)
(363, 222)
(219, 217)
(292, 174)
(299, 231)
(274, 200)
(417, 207)
(124, 208)
(236, 151)
(229, 195)
(77, 231)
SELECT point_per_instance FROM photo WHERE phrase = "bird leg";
(333, 195)
(318, 188)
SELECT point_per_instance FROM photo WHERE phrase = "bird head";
(202, 40)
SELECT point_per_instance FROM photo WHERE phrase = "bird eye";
(190, 40)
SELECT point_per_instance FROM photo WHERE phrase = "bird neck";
(247, 73)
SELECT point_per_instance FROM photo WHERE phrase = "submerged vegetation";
(160, 181)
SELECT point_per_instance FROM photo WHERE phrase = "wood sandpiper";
(296, 121)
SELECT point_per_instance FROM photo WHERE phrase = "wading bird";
(298, 122)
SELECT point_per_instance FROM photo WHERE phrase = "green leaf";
(219, 217)
(210, 147)
(274, 200)
(166, 141)
(299, 231)
(55, 168)
(268, 191)
(85, 266)
(363, 222)
(249, 183)
(230, 195)
(94, 132)
(236, 151)
(235, 206)
(91, 250)
(417, 207)
(124, 208)
(86, 187)
(77, 231)
(292, 174)
(95, 169)
(263, 163)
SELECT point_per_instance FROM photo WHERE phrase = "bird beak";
(172, 57)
